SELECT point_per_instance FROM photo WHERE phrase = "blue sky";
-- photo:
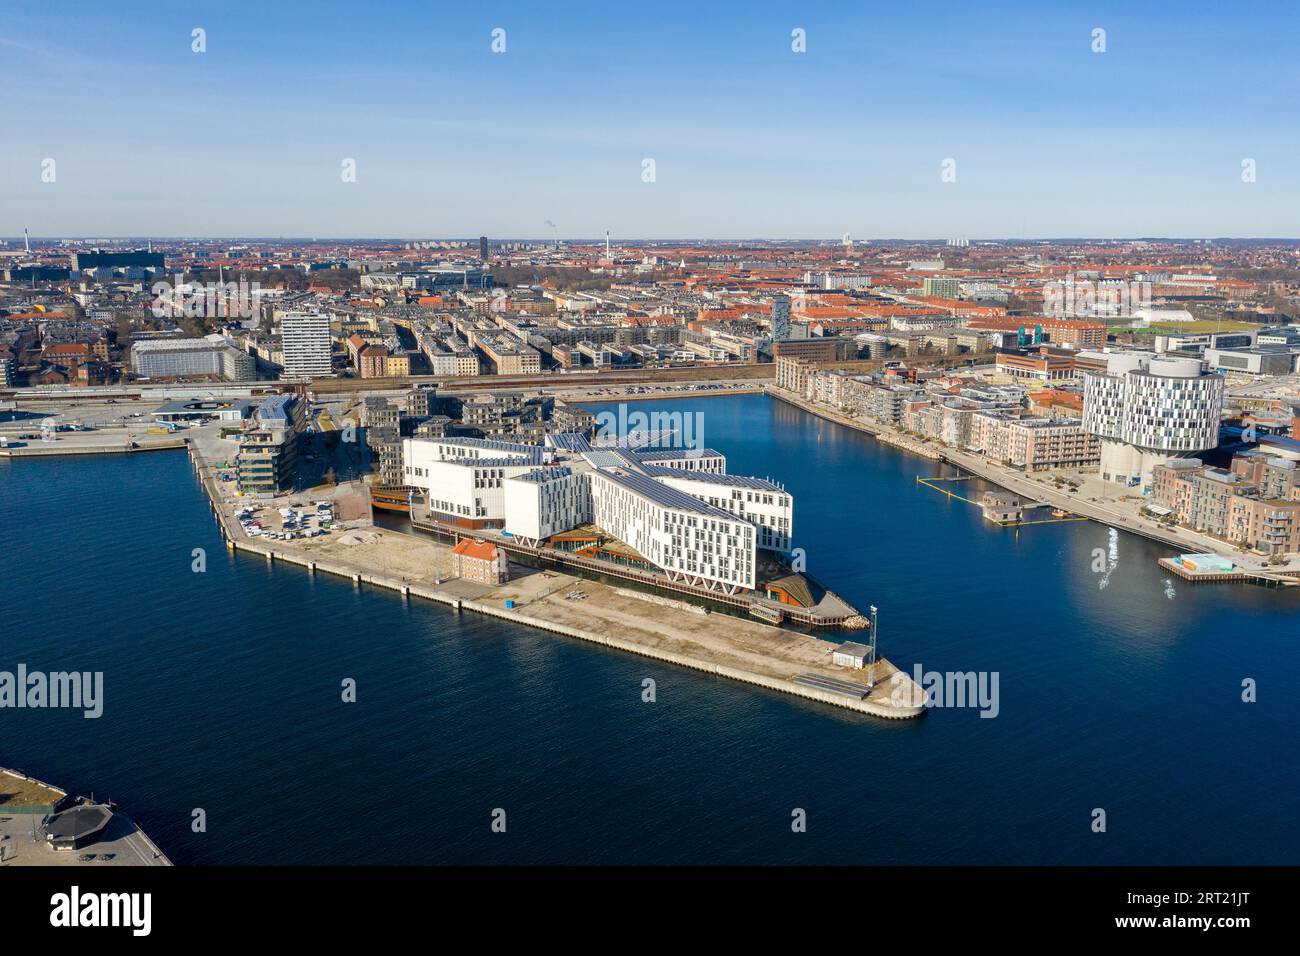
(749, 138)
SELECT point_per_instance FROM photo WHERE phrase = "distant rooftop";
(275, 408)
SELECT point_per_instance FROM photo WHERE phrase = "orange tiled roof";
(483, 550)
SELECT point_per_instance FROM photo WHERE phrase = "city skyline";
(748, 137)
(800, 241)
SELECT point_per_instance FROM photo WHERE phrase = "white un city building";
(677, 509)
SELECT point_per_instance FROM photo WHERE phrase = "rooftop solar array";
(636, 438)
(536, 458)
(276, 407)
(659, 454)
(569, 441)
(546, 474)
(487, 443)
(665, 495)
(604, 458)
(712, 478)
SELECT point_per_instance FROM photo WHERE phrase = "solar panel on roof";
(656, 454)
(666, 495)
(711, 477)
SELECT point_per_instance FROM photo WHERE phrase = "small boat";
(391, 499)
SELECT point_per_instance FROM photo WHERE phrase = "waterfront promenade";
(1114, 513)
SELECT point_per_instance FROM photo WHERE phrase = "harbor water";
(1118, 690)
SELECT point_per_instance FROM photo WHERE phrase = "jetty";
(43, 825)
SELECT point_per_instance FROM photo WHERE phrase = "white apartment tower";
(1148, 410)
(305, 338)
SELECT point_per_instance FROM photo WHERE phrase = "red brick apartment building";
(1256, 502)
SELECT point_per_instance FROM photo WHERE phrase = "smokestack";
(27, 243)
(607, 244)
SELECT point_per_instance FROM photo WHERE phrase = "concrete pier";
(720, 644)
(28, 800)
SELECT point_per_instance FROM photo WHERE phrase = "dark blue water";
(223, 692)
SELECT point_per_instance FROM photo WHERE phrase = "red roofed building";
(644, 320)
(356, 345)
(847, 326)
(733, 314)
(1050, 401)
(480, 561)
(373, 361)
(70, 353)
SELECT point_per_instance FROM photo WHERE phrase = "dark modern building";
(75, 824)
(268, 449)
(139, 259)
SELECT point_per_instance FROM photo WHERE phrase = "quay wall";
(159, 857)
(165, 444)
(358, 577)
(590, 399)
(883, 435)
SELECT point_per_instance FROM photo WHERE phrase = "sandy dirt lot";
(716, 637)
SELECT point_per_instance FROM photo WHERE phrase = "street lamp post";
(872, 665)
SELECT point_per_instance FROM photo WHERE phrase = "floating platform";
(1240, 574)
